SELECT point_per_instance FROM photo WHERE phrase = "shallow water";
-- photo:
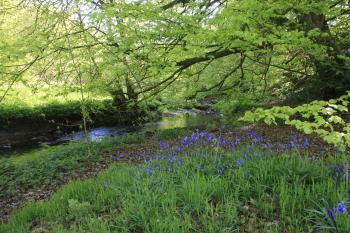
(182, 118)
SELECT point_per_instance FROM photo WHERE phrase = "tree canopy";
(269, 50)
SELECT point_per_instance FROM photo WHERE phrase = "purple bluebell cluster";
(342, 171)
(219, 142)
(223, 140)
(306, 143)
(149, 170)
(239, 162)
(331, 215)
(215, 144)
(210, 147)
(341, 209)
(118, 156)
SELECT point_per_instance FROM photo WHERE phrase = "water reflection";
(181, 118)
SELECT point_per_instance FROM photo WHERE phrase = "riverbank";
(223, 179)
(36, 175)
(24, 139)
(26, 128)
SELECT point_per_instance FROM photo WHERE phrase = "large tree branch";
(208, 56)
(223, 80)
(279, 67)
(184, 64)
(173, 3)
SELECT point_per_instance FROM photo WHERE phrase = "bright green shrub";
(325, 118)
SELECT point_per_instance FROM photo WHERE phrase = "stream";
(181, 118)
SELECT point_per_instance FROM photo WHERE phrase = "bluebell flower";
(237, 139)
(246, 174)
(208, 136)
(163, 145)
(257, 138)
(185, 141)
(220, 139)
(239, 162)
(179, 162)
(341, 170)
(306, 143)
(117, 156)
(331, 214)
(295, 136)
(194, 138)
(149, 170)
(292, 144)
(341, 208)
(250, 133)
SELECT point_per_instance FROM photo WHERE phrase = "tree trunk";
(332, 77)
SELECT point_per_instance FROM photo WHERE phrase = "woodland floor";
(134, 153)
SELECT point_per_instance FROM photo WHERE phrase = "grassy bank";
(51, 103)
(34, 175)
(49, 165)
(56, 107)
(54, 112)
(201, 183)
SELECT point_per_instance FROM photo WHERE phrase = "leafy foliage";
(325, 118)
(137, 50)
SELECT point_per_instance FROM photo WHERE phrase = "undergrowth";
(50, 165)
(201, 183)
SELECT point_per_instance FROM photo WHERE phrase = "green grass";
(53, 111)
(205, 190)
(49, 165)
(21, 95)
(48, 103)
(170, 134)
